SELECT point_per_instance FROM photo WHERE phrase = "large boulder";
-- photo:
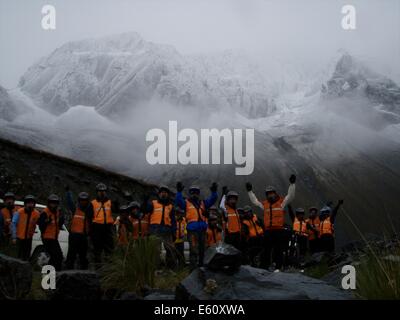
(76, 285)
(222, 257)
(15, 278)
(255, 284)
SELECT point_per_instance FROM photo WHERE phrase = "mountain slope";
(94, 101)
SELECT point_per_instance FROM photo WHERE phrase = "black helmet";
(231, 194)
(9, 195)
(163, 188)
(313, 209)
(270, 189)
(101, 187)
(194, 189)
(134, 204)
(300, 211)
(29, 197)
(53, 198)
(247, 209)
(83, 196)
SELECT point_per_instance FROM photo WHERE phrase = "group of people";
(173, 219)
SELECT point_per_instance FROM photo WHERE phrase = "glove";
(249, 186)
(214, 187)
(179, 186)
(224, 190)
(341, 201)
(292, 179)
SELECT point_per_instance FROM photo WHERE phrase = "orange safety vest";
(79, 223)
(102, 212)
(180, 230)
(274, 215)
(161, 213)
(52, 228)
(27, 224)
(326, 227)
(193, 213)
(233, 224)
(122, 233)
(140, 227)
(213, 236)
(7, 216)
(300, 227)
(254, 229)
(315, 224)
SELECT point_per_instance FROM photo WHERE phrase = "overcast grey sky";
(289, 27)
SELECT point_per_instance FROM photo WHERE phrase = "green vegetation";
(378, 275)
(319, 270)
(36, 293)
(170, 279)
(131, 268)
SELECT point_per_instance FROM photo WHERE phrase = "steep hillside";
(24, 170)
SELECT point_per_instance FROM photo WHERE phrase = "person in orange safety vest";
(51, 221)
(102, 232)
(23, 227)
(79, 230)
(253, 232)
(275, 238)
(326, 233)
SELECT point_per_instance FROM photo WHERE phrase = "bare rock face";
(255, 284)
(15, 278)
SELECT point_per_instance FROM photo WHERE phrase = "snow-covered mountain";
(336, 125)
(117, 73)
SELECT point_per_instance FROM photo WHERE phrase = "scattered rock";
(129, 296)
(77, 285)
(160, 295)
(256, 284)
(15, 278)
(223, 257)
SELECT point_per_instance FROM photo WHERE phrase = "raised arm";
(335, 211)
(212, 198)
(179, 199)
(291, 191)
(252, 196)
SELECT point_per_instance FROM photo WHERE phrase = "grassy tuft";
(131, 268)
(379, 277)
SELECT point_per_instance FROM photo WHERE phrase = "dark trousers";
(24, 248)
(314, 245)
(53, 248)
(234, 239)
(164, 234)
(252, 247)
(275, 242)
(302, 243)
(102, 238)
(180, 250)
(327, 243)
(77, 246)
(197, 243)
